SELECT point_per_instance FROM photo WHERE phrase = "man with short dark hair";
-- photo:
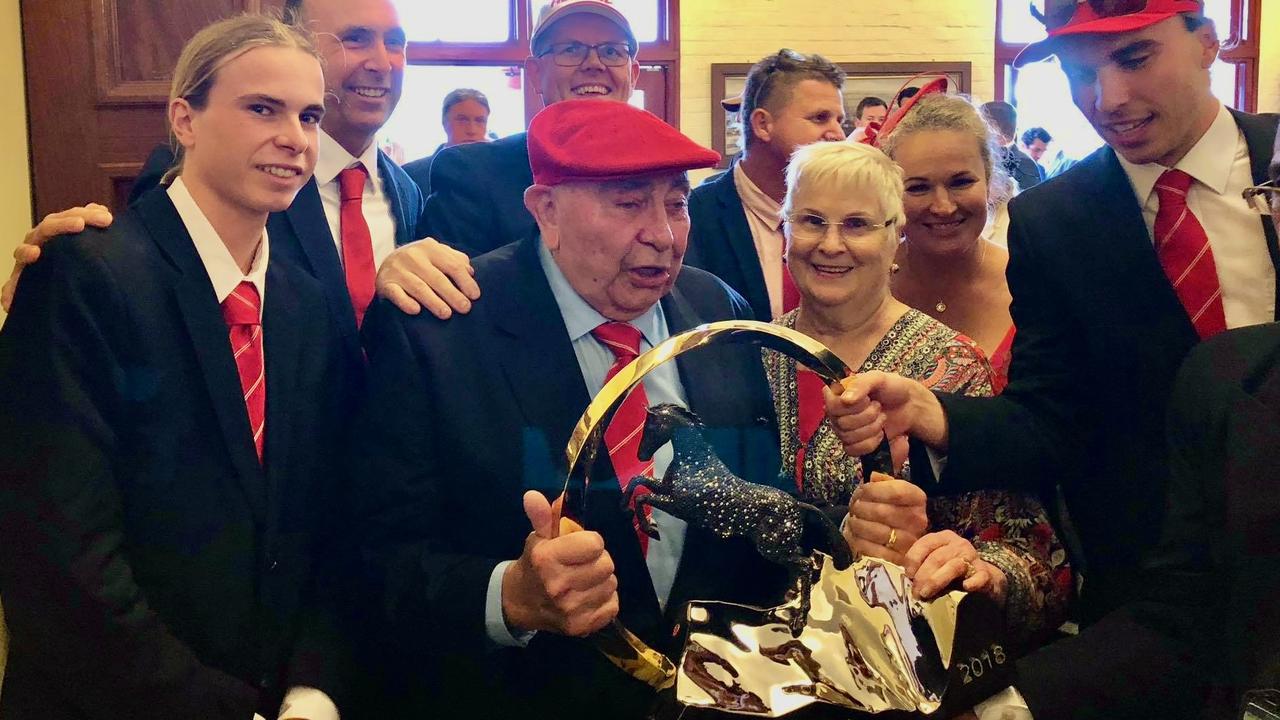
(871, 109)
(465, 117)
(790, 99)
(498, 612)
(1117, 268)
(1003, 118)
(579, 49)
(1035, 141)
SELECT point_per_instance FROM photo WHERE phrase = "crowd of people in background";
(284, 437)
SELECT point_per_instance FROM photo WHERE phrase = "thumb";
(538, 510)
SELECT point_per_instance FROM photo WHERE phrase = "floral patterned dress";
(1009, 530)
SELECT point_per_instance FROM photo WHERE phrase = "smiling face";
(364, 51)
(253, 145)
(590, 79)
(830, 270)
(809, 111)
(466, 122)
(620, 244)
(946, 193)
(1146, 92)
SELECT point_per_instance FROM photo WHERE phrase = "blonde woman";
(944, 266)
(842, 211)
(166, 457)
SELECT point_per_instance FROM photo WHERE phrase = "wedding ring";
(969, 569)
(893, 538)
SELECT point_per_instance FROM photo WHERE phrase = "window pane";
(484, 21)
(1220, 12)
(1016, 23)
(415, 130)
(1222, 80)
(642, 14)
(1044, 100)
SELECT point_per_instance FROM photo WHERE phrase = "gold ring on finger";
(893, 538)
(969, 568)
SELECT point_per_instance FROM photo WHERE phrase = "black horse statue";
(699, 489)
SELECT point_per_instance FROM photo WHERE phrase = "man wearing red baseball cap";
(461, 442)
(579, 49)
(1117, 268)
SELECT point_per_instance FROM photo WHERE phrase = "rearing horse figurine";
(699, 489)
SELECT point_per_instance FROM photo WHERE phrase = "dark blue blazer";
(301, 233)
(720, 241)
(152, 566)
(477, 195)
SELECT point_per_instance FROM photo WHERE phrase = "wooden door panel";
(98, 74)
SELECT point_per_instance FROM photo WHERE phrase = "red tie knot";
(351, 183)
(1172, 187)
(243, 306)
(623, 339)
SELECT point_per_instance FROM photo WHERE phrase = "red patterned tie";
(357, 244)
(1185, 255)
(242, 311)
(622, 437)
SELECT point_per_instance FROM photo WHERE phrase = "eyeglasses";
(808, 226)
(784, 59)
(573, 54)
(1058, 13)
(1263, 199)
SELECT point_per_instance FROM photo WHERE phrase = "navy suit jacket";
(441, 502)
(720, 241)
(1100, 337)
(152, 566)
(477, 195)
(301, 234)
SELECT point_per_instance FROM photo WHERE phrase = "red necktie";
(357, 244)
(1185, 255)
(622, 437)
(242, 311)
(790, 293)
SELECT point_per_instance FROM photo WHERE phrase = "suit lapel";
(405, 229)
(737, 231)
(193, 294)
(1259, 134)
(282, 347)
(310, 229)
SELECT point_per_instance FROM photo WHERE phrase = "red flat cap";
(598, 140)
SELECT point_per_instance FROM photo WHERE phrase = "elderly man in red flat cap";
(463, 437)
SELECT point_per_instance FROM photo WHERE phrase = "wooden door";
(98, 75)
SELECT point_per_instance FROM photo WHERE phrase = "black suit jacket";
(720, 241)
(442, 499)
(1019, 166)
(477, 195)
(152, 566)
(420, 172)
(1100, 337)
(1205, 625)
(301, 234)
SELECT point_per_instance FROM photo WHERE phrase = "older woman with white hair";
(843, 213)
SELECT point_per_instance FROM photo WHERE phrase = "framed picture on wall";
(881, 80)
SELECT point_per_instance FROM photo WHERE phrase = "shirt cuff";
(1006, 705)
(495, 624)
(937, 463)
(306, 703)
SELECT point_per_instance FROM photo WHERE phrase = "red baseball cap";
(559, 9)
(599, 140)
(1076, 17)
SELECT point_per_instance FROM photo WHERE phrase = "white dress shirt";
(376, 207)
(225, 275)
(1219, 165)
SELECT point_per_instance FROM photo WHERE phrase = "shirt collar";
(332, 159)
(756, 200)
(1209, 160)
(223, 271)
(580, 318)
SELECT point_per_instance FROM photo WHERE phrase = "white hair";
(853, 169)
